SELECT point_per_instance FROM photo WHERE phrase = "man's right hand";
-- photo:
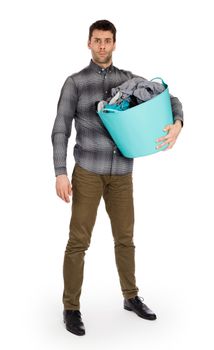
(63, 187)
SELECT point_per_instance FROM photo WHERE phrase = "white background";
(42, 42)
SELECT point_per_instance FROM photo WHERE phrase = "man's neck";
(103, 65)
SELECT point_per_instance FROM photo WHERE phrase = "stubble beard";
(104, 60)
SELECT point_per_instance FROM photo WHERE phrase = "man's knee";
(76, 244)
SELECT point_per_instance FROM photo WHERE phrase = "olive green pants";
(117, 191)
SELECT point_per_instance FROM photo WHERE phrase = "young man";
(100, 170)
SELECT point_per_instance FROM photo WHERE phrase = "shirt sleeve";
(61, 131)
(177, 109)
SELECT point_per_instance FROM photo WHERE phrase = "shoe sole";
(146, 318)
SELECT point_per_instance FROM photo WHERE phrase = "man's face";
(101, 46)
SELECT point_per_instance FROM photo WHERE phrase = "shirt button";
(114, 151)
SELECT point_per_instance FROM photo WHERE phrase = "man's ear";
(114, 47)
(89, 44)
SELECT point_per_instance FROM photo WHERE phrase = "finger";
(69, 189)
(67, 199)
(164, 138)
(167, 127)
(66, 196)
(166, 149)
(163, 144)
(58, 193)
(160, 139)
(170, 146)
(61, 194)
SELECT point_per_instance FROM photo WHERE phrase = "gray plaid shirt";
(94, 150)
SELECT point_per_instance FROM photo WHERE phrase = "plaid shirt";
(94, 150)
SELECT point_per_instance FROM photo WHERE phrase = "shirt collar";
(95, 67)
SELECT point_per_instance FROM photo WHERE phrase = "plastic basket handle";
(164, 84)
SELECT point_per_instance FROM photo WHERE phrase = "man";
(100, 170)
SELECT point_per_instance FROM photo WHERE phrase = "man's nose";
(102, 45)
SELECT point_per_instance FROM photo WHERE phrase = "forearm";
(60, 143)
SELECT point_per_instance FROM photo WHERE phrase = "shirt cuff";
(60, 171)
(179, 118)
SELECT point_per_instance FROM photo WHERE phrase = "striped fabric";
(94, 149)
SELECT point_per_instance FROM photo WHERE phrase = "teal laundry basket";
(136, 129)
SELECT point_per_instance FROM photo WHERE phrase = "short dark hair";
(102, 25)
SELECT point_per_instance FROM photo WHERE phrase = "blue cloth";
(120, 107)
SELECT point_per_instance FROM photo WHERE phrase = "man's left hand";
(171, 137)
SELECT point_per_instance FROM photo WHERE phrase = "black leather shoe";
(73, 322)
(136, 305)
